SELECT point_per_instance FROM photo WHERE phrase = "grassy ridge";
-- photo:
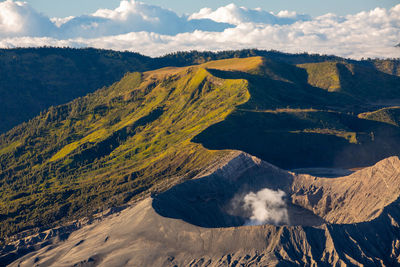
(390, 115)
(105, 148)
(33, 79)
(323, 75)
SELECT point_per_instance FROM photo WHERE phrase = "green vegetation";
(360, 82)
(33, 79)
(388, 66)
(155, 128)
(304, 138)
(323, 75)
(389, 115)
(7, 148)
(105, 148)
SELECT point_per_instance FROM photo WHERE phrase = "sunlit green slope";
(107, 147)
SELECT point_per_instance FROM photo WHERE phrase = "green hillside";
(156, 128)
(387, 66)
(323, 75)
(357, 81)
(105, 148)
(33, 79)
(389, 115)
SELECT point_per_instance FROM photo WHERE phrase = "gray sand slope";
(350, 220)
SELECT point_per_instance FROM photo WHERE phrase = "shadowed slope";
(202, 201)
(357, 81)
(291, 124)
(33, 79)
(139, 236)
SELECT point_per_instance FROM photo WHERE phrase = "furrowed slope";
(105, 148)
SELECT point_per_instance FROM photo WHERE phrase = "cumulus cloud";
(19, 19)
(132, 16)
(267, 207)
(154, 31)
(236, 15)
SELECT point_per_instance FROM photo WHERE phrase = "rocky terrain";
(351, 220)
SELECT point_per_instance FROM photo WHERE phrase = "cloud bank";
(155, 31)
(237, 15)
(267, 207)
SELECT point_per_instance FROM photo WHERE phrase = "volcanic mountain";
(153, 132)
(351, 220)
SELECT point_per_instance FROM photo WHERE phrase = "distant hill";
(357, 81)
(33, 79)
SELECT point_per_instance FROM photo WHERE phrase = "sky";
(62, 8)
(351, 28)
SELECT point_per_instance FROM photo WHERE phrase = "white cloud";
(155, 31)
(60, 21)
(236, 15)
(133, 16)
(19, 19)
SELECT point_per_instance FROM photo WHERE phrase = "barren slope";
(359, 197)
(140, 236)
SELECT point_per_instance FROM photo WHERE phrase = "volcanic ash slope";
(352, 220)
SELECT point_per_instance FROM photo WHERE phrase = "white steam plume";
(267, 207)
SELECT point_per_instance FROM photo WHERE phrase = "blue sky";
(62, 8)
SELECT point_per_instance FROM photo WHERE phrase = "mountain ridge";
(44, 77)
(154, 129)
